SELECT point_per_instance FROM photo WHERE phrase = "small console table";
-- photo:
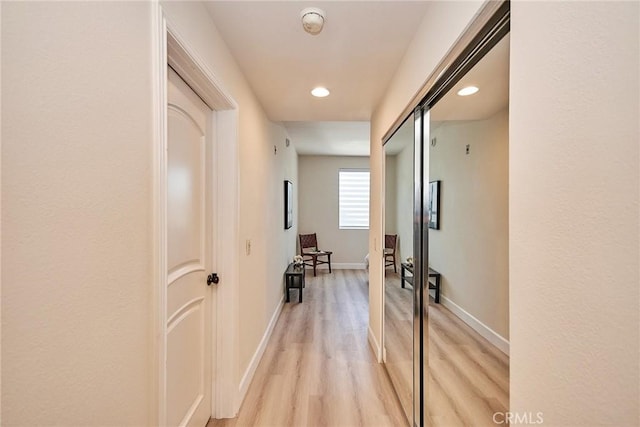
(409, 279)
(293, 274)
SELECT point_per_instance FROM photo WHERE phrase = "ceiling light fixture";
(469, 90)
(312, 20)
(320, 92)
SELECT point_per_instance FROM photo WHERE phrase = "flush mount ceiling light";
(320, 92)
(312, 20)
(469, 90)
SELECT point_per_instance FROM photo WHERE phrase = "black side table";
(409, 279)
(293, 274)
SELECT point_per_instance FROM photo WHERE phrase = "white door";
(189, 244)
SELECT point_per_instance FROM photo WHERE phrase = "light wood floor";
(468, 376)
(318, 368)
(399, 339)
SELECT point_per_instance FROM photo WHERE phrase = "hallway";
(318, 368)
(86, 319)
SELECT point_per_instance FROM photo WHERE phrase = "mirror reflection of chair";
(311, 254)
(390, 243)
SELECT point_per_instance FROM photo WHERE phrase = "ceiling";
(355, 57)
(330, 138)
(491, 76)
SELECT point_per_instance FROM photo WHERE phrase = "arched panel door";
(188, 368)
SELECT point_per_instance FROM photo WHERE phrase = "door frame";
(169, 48)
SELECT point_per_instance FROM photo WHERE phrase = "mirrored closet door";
(446, 291)
(399, 194)
(468, 309)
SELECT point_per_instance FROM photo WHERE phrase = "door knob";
(212, 278)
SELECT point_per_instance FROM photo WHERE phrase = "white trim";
(158, 401)
(374, 345)
(1, 223)
(228, 267)
(257, 356)
(182, 312)
(195, 73)
(340, 266)
(212, 237)
(185, 269)
(378, 260)
(191, 411)
(486, 332)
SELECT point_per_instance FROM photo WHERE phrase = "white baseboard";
(374, 345)
(342, 266)
(257, 356)
(348, 266)
(486, 332)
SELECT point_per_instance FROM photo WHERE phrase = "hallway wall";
(404, 202)
(76, 213)
(574, 197)
(77, 236)
(575, 192)
(398, 211)
(471, 248)
(319, 208)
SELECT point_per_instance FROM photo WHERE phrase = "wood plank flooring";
(399, 339)
(468, 376)
(318, 368)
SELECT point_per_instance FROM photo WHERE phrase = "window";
(354, 199)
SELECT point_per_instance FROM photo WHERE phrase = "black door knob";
(212, 278)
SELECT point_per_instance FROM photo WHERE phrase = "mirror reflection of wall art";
(288, 205)
(434, 205)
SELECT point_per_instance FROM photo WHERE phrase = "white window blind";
(354, 199)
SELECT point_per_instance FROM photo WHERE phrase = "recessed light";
(469, 90)
(320, 92)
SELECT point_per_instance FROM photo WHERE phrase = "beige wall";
(76, 208)
(398, 211)
(76, 213)
(318, 195)
(471, 248)
(404, 198)
(390, 198)
(443, 23)
(574, 192)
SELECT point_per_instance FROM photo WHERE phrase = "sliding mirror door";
(467, 373)
(446, 319)
(398, 280)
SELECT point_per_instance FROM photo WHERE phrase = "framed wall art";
(288, 205)
(434, 205)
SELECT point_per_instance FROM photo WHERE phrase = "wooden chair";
(390, 243)
(311, 254)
